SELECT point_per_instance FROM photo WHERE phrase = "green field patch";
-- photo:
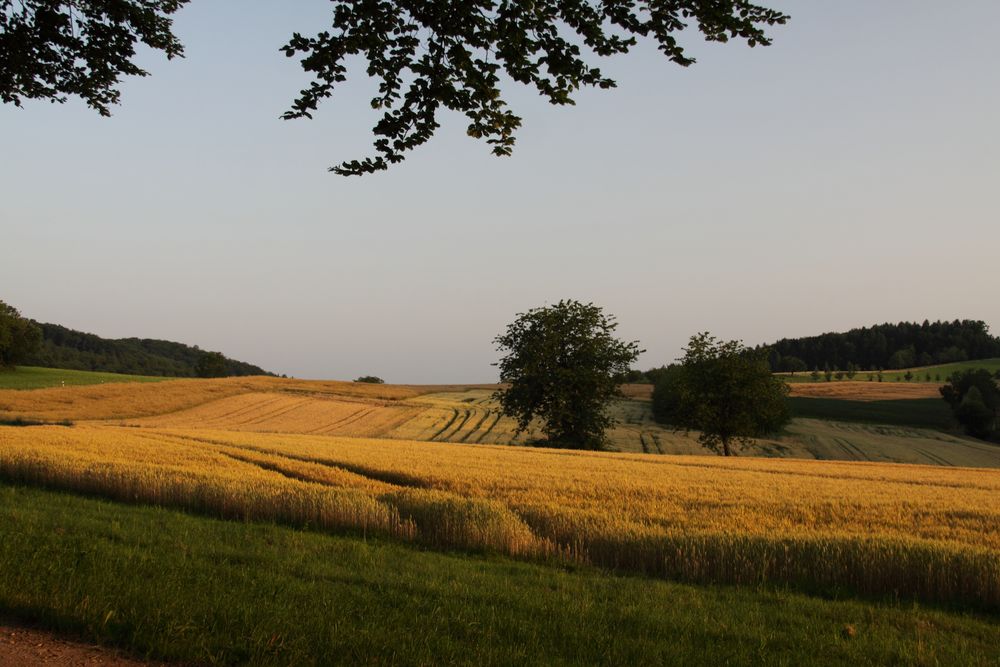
(938, 374)
(34, 377)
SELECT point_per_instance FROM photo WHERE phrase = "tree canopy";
(52, 49)
(902, 345)
(427, 55)
(724, 390)
(19, 337)
(974, 397)
(563, 366)
(66, 348)
(211, 365)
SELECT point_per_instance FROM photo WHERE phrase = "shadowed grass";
(918, 412)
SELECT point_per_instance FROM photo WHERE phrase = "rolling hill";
(69, 349)
(247, 499)
(842, 421)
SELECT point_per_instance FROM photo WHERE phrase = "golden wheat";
(852, 390)
(865, 391)
(928, 532)
(291, 413)
(128, 400)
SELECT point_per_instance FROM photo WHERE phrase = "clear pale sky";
(847, 175)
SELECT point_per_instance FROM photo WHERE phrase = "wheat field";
(447, 413)
(434, 465)
(930, 533)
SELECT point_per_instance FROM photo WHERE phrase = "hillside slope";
(76, 350)
(458, 414)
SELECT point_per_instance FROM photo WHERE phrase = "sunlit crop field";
(435, 465)
(850, 390)
(460, 414)
(126, 400)
(470, 416)
(932, 533)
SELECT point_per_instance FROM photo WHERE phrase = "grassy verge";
(169, 585)
(920, 412)
(33, 377)
(938, 374)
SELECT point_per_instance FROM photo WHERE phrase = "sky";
(847, 175)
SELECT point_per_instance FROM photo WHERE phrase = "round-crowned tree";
(974, 398)
(212, 365)
(562, 365)
(723, 389)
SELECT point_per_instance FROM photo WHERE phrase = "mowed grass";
(173, 586)
(918, 532)
(34, 377)
(919, 374)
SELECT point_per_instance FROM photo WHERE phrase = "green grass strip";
(168, 585)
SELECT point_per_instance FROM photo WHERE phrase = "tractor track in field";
(454, 416)
(334, 424)
(220, 446)
(353, 419)
(243, 409)
(274, 467)
(278, 412)
(476, 427)
(461, 423)
(934, 457)
(852, 449)
(490, 428)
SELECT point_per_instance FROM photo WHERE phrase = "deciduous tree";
(563, 366)
(974, 397)
(52, 49)
(212, 365)
(725, 390)
(427, 55)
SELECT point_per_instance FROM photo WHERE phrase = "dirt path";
(24, 647)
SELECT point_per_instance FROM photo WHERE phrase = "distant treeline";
(883, 346)
(644, 377)
(66, 348)
(902, 345)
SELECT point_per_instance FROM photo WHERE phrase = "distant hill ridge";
(66, 348)
(893, 346)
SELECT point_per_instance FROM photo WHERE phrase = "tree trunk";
(725, 447)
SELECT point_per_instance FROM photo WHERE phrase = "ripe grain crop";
(447, 413)
(851, 390)
(282, 412)
(864, 391)
(132, 400)
(928, 533)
